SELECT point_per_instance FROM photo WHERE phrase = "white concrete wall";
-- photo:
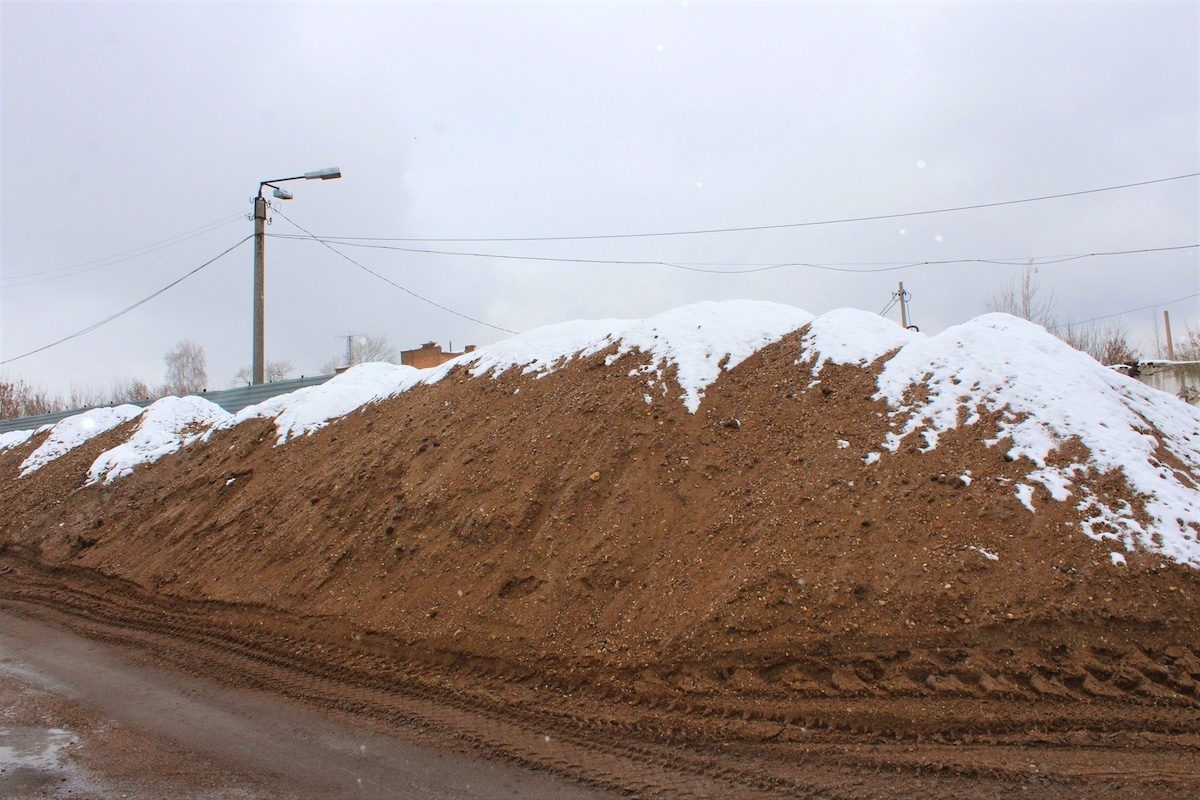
(1180, 378)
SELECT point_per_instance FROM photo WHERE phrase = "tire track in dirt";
(612, 740)
(174, 638)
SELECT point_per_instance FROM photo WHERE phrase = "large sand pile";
(730, 497)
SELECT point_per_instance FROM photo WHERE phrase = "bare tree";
(125, 390)
(1022, 297)
(85, 395)
(362, 349)
(122, 390)
(1117, 349)
(187, 369)
(275, 371)
(1188, 348)
(19, 398)
(1108, 345)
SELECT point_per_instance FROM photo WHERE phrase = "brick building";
(429, 355)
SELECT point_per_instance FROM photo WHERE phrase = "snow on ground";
(307, 410)
(704, 339)
(541, 351)
(166, 426)
(71, 432)
(11, 439)
(1048, 393)
(698, 340)
(849, 336)
(985, 553)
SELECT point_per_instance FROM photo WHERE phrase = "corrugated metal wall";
(232, 400)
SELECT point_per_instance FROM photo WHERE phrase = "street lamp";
(257, 362)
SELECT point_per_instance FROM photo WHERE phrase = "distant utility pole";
(350, 348)
(1170, 344)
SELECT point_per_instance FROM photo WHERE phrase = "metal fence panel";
(232, 400)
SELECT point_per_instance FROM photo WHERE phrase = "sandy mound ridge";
(722, 488)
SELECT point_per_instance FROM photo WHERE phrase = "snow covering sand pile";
(310, 409)
(1046, 393)
(1049, 394)
(11, 439)
(698, 341)
(71, 432)
(165, 427)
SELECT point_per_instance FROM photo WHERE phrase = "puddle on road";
(39, 748)
(35, 759)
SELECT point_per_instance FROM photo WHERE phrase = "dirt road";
(212, 701)
(82, 719)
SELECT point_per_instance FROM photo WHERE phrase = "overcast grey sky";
(126, 124)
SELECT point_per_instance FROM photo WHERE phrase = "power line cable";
(127, 254)
(1123, 313)
(391, 282)
(890, 266)
(128, 308)
(786, 225)
(424, 251)
(1017, 261)
(1037, 261)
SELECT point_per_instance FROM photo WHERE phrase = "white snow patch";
(271, 407)
(1057, 480)
(11, 439)
(698, 340)
(871, 458)
(69, 433)
(346, 393)
(307, 410)
(849, 336)
(1047, 393)
(541, 351)
(1118, 559)
(842, 444)
(985, 553)
(1025, 495)
(965, 477)
(165, 426)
